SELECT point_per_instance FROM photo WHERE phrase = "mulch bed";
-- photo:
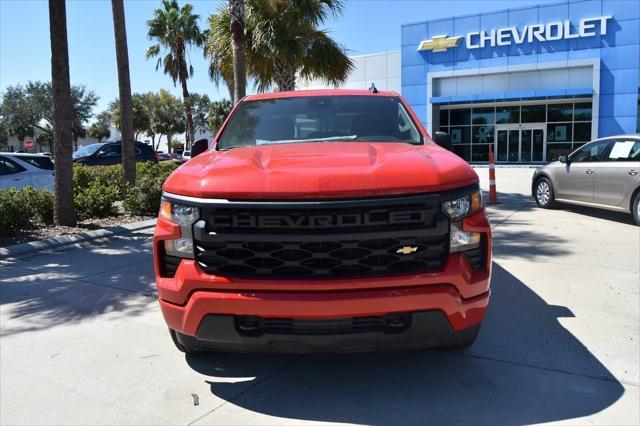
(42, 232)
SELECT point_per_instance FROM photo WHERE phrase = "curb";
(63, 240)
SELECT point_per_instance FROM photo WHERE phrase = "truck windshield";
(319, 119)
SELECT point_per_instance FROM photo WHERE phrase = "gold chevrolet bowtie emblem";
(407, 250)
(439, 43)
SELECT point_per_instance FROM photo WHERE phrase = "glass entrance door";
(507, 145)
(519, 145)
(531, 145)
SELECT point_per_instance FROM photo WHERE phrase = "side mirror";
(199, 146)
(101, 153)
(564, 159)
(443, 139)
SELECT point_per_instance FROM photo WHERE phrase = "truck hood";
(320, 170)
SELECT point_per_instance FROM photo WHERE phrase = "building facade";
(533, 83)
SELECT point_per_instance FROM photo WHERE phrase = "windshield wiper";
(263, 142)
(329, 139)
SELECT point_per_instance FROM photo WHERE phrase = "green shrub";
(111, 176)
(15, 214)
(21, 209)
(144, 197)
(40, 204)
(96, 201)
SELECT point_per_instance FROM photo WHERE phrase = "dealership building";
(534, 82)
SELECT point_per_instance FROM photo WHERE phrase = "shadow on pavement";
(39, 292)
(512, 202)
(524, 368)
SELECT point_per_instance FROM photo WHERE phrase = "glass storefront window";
(480, 152)
(460, 134)
(534, 113)
(582, 132)
(463, 151)
(482, 134)
(560, 112)
(560, 132)
(483, 116)
(555, 150)
(508, 114)
(460, 116)
(638, 123)
(582, 112)
(444, 117)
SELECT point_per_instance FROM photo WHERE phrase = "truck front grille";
(351, 238)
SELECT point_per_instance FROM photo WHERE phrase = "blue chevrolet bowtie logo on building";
(439, 43)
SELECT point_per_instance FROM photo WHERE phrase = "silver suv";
(604, 173)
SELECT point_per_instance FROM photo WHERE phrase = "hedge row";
(96, 193)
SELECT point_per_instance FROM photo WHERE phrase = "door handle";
(633, 172)
(16, 178)
(589, 171)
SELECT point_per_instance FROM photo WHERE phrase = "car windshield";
(319, 119)
(41, 162)
(87, 150)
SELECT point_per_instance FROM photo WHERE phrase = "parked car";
(186, 155)
(19, 170)
(604, 173)
(104, 154)
(163, 156)
(322, 220)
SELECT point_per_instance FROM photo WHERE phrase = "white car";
(18, 170)
(186, 155)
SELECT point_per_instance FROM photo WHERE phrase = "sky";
(365, 26)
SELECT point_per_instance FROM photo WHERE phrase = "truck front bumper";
(422, 329)
(441, 306)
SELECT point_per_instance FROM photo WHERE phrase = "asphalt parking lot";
(83, 340)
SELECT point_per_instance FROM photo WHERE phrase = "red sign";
(28, 144)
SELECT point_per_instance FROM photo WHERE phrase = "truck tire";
(543, 193)
(468, 341)
(635, 208)
(181, 346)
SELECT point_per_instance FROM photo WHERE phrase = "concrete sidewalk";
(83, 340)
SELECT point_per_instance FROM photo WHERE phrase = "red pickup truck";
(322, 221)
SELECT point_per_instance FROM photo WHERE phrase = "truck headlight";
(184, 216)
(462, 240)
(460, 207)
(457, 209)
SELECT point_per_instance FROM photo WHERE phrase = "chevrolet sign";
(560, 30)
(439, 43)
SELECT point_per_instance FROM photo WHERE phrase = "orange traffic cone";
(493, 195)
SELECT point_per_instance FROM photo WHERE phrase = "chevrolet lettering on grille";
(244, 220)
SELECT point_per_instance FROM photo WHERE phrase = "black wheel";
(468, 338)
(182, 347)
(543, 193)
(635, 208)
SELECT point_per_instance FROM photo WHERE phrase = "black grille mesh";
(321, 259)
(285, 249)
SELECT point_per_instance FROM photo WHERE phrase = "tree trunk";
(64, 212)
(236, 10)
(124, 82)
(168, 143)
(190, 135)
(285, 75)
(230, 88)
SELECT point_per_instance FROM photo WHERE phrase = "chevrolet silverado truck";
(322, 221)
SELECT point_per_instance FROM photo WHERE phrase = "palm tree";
(63, 208)
(176, 29)
(124, 83)
(236, 27)
(283, 42)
